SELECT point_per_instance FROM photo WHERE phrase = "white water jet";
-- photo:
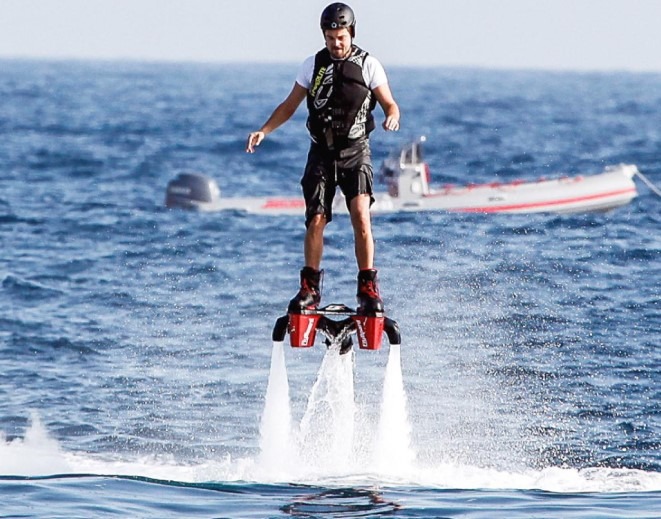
(327, 427)
(393, 453)
(275, 426)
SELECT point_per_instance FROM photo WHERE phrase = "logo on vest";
(317, 81)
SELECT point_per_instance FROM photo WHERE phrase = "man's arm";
(280, 115)
(389, 107)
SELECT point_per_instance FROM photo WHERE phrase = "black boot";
(309, 296)
(369, 300)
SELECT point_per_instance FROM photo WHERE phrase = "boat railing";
(405, 172)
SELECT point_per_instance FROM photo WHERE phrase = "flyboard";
(337, 323)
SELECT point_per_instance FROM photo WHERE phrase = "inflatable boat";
(407, 178)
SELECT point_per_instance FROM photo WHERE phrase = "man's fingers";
(391, 124)
(253, 140)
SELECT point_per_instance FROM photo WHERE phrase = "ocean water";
(137, 373)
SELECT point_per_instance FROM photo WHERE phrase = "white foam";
(552, 479)
(324, 450)
(34, 455)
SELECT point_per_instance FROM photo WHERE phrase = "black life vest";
(339, 101)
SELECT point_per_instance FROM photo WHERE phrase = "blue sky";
(521, 34)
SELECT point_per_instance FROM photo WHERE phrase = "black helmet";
(337, 16)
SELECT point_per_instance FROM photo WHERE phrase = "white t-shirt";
(373, 73)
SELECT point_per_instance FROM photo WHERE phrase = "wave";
(26, 290)
(38, 455)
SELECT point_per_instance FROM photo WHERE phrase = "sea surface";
(138, 377)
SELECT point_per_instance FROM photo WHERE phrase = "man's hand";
(254, 139)
(391, 124)
(390, 108)
(281, 114)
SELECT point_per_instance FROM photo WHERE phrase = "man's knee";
(360, 203)
(360, 208)
(317, 222)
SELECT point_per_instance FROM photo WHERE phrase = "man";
(342, 84)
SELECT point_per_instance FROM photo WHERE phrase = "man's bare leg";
(359, 208)
(309, 295)
(314, 241)
(369, 299)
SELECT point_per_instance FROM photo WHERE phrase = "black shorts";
(350, 170)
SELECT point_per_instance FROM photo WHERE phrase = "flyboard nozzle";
(302, 330)
(192, 191)
(369, 329)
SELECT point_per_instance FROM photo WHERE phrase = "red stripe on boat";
(549, 203)
(283, 203)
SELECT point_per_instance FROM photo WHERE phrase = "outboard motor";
(192, 191)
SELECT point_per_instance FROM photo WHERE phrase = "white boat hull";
(406, 176)
(600, 192)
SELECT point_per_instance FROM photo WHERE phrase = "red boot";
(309, 296)
(369, 300)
